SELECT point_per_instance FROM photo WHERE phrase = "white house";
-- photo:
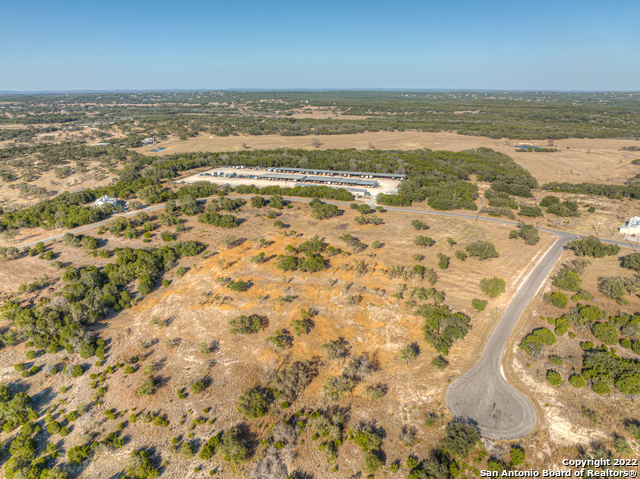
(631, 227)
(105, 200)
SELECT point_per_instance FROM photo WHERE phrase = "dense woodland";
(440, 177)
(521, 115)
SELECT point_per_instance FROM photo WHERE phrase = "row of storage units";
(346, 174)
(319, 180)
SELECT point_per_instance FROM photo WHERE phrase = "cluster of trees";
(222, 221)
(556, 207)
(630, 190)
(67, 210)
(558, 299)
(492, 287)
(312, 260)
(442, 327)
(89, 294)
(321, 211)
(482, 250)
(568, 276)
(16, 409)
(533, 343)
(605, 369)
(527, 232)
(299, 191)
(616, 287)
(592, 246)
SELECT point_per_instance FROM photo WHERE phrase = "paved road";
(81, 229)
(483, 394)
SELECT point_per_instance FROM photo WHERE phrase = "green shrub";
(245, 324)
(31, 355)
(478, 304)
(589, 414)
(77, 371)
(53, 427)
(147, 387)
(592, 246)
(517, 456)
(139, 466)
(443, 261)
(634, 430)
(419, 225)
(187, 449)
(372, 463)
(601, 388)
(586, 345)
(577, 381)
(423, 241)
(554, 378)
(561, 326)
(252, 404)
(492, 287)
(482, 249)
(460, 438)
(605, 332)
(198, 386)
(556, 360)
(78, 454)
(558, 299)
(527, 232)
(534, 342)
(366, 437)
(439, 363)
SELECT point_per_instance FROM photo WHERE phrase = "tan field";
(378, 325)
(585, 160)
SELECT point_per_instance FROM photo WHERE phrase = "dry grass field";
(376, 324)
(579, 160)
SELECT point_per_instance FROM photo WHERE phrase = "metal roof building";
(393, 176)
(279, 176)
(322, 180)
(344, 181)
(357, 191)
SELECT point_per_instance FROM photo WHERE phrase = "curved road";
(481, 395)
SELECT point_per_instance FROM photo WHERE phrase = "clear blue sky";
(211, 44)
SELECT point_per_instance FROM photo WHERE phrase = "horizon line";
(311, 90)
